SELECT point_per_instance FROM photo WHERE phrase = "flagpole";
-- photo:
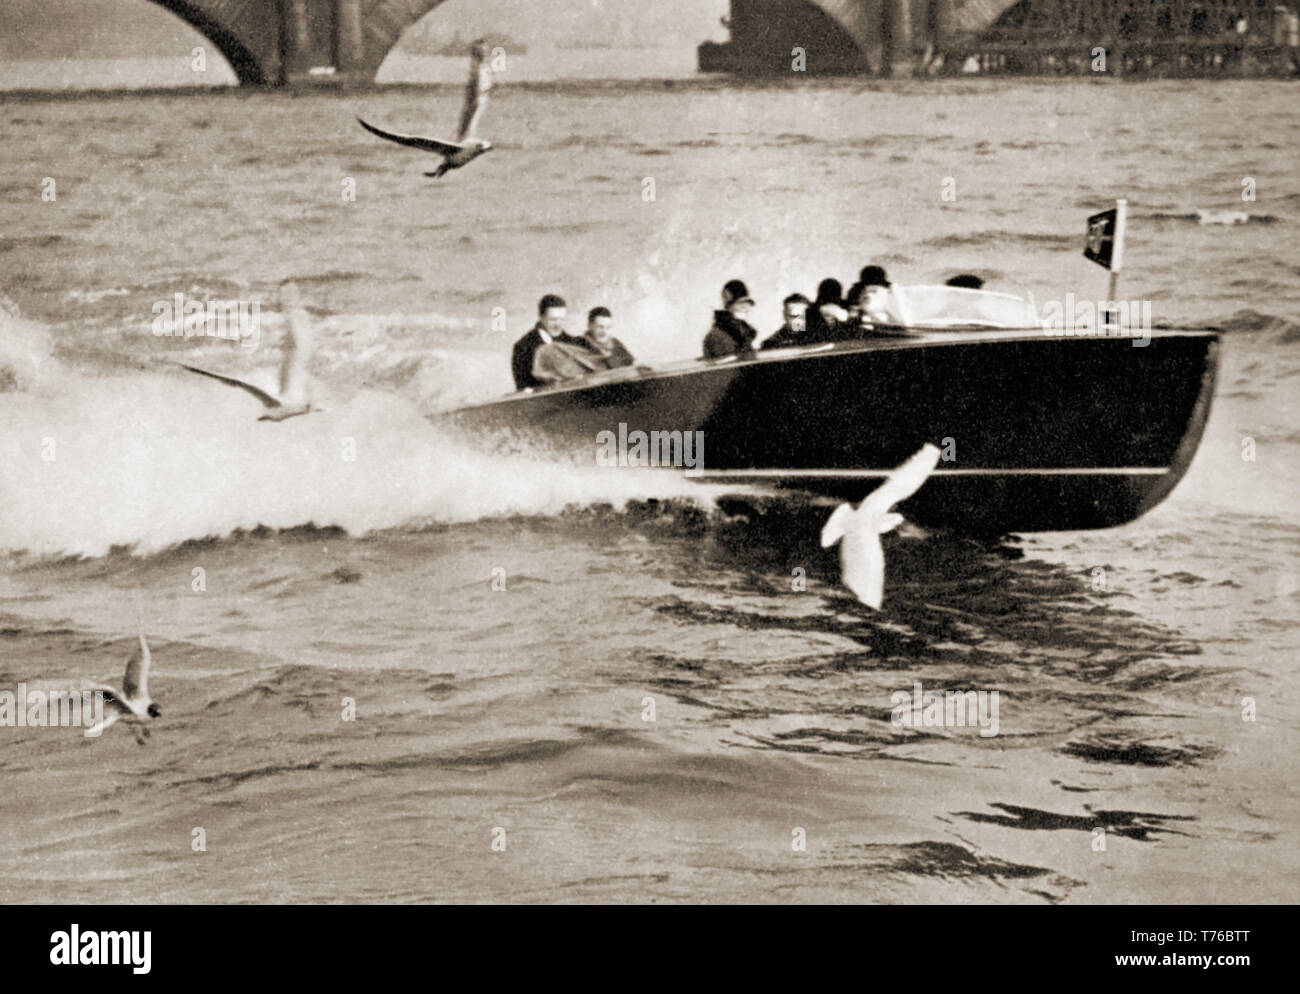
(1116, 258)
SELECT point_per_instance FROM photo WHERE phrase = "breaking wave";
(147, 460)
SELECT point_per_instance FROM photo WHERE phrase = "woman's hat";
(735, 292)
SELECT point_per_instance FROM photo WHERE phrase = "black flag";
(1100, 246)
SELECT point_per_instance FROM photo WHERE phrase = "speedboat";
(1040, 429)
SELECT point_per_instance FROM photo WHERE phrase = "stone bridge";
(269, 41)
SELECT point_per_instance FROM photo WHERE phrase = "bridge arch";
(854, 19)
(765, 34)
(244, 59)
(266, 41)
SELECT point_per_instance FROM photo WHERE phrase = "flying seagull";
(466, 148)
(132, 701)
(296, 351)
(862, 560)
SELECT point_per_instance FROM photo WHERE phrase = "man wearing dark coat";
(610, 353)
(549, 329)
(731, 334)
(795, 330)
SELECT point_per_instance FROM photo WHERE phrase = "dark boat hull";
(1040, 433)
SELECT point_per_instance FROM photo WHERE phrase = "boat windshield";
(958, 307)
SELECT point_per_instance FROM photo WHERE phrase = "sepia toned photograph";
(596, 452)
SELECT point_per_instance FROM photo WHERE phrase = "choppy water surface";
(1120, 708)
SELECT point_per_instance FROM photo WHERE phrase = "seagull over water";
(132, 701)
(466, 148)
(296, 351)
(858, 530)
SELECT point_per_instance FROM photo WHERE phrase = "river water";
(647, 712)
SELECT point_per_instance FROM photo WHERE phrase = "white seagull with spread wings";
(862, 559)
(132, 701)
(296, 351)
(466, 148)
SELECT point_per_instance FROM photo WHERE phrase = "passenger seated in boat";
(867, 276)
(731, 334)
(610, 353)
(551, 311)
(826, 318)
(795, 330)
(874, 304)
(966, 281)
(853, 298)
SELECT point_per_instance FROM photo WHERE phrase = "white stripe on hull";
(880, 473)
